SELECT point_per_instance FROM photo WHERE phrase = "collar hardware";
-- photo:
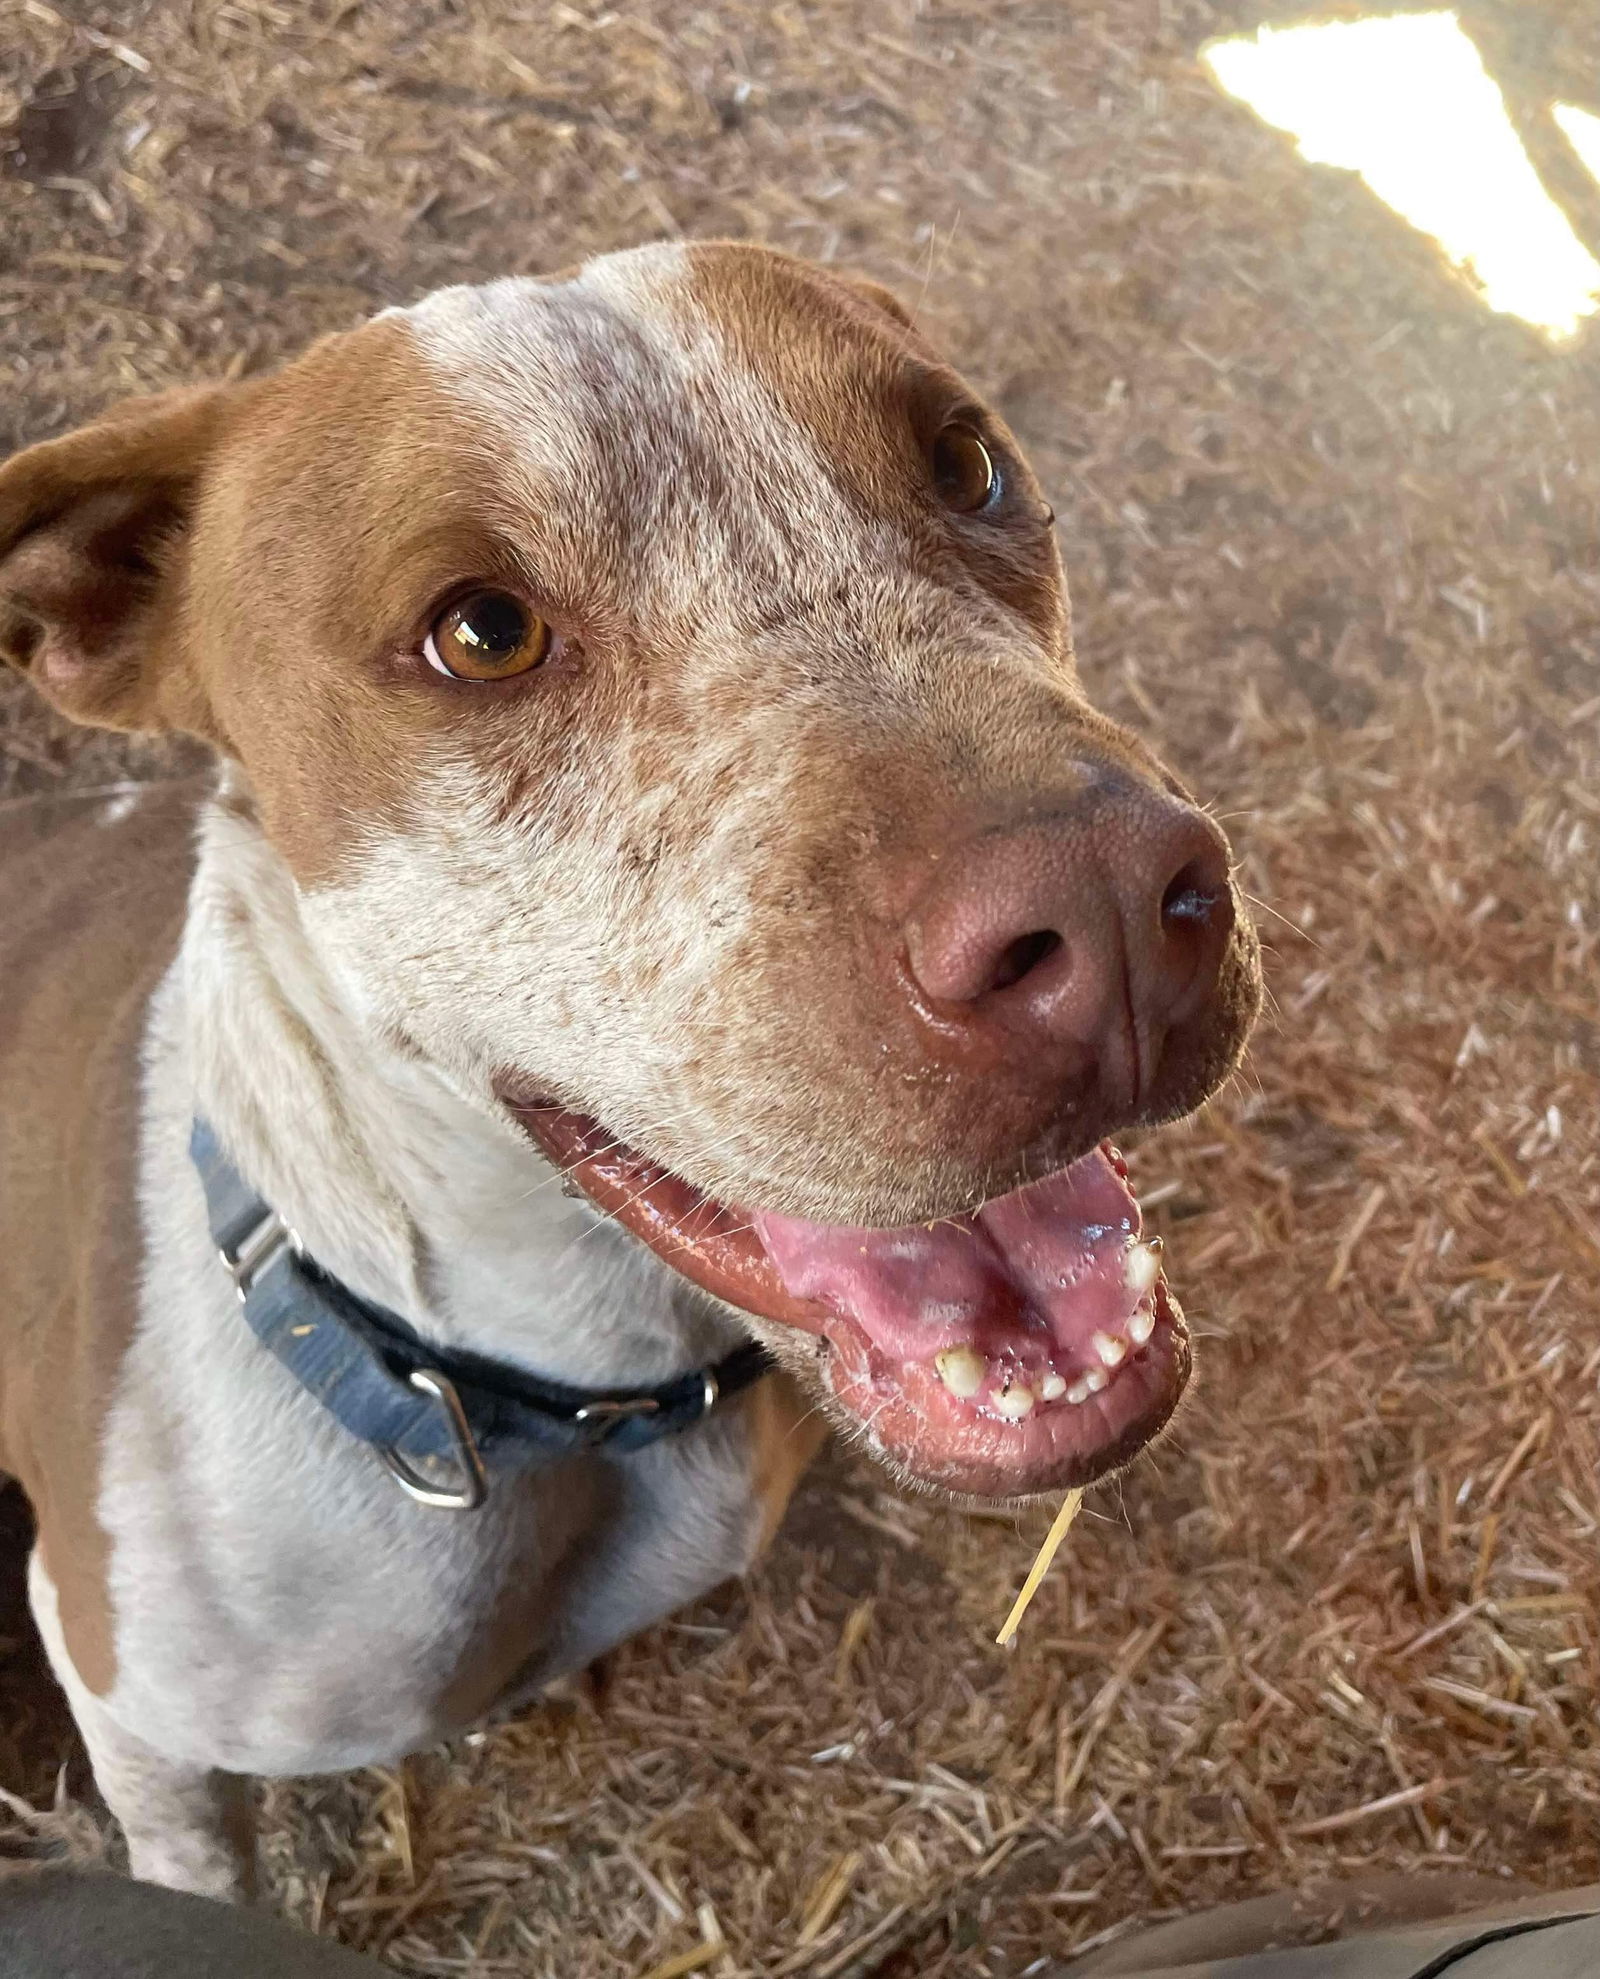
(444, 1422)
(250, 1256)
(474, 1485)
(602, 1416)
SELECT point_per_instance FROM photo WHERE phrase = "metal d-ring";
(257, 1251)
(474, 1487)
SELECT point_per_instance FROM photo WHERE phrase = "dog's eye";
(963, 473)
(488, 635)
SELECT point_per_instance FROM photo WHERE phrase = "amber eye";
(963, 472)
(488, 635)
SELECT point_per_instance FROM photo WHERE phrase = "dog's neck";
(415, 1191)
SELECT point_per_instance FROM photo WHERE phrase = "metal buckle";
(474, 1487)
(603, 1416)
(257, 1251)
(600, 1418)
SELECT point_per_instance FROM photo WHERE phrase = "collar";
(441, 1419)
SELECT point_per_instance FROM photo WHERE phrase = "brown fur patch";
(873, 393)
(788, 1429)
(90, 914)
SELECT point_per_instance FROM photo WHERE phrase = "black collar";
(440, 1419)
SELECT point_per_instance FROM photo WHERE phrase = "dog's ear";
(93, 528)
(879, 297)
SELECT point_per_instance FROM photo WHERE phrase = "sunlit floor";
(1583, 134)
(1405, 101)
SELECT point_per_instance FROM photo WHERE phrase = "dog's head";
(658, 682)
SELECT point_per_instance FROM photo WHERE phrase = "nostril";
(1022, 956)
(1191, 899)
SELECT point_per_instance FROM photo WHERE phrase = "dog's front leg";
(187, 1826)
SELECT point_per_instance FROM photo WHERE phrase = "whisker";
(1303, 933)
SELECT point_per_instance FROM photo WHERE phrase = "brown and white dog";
(650, 750)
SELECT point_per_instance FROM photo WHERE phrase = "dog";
(657, 967)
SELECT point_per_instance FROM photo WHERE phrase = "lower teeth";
(962, 1371)
(1014, 1403)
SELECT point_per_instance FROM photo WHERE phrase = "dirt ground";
(1332, 532)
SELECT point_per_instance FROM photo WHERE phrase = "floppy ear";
(879, 297)
(93, 531)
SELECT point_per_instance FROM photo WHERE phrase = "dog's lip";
(898, 1366)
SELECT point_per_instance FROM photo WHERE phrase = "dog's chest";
(280, 1604)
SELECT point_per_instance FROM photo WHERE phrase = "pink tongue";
(1047, 1261)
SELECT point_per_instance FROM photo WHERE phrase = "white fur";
(280, 1605)
(668, 396)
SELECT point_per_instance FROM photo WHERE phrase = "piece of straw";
(1041, 1566)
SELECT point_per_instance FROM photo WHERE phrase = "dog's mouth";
(1030, 1345)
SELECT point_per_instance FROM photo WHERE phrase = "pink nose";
(1080, 942)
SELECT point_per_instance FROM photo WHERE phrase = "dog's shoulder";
(90, 883)
(92, 895)
(105, 838)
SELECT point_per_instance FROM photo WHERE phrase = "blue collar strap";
(441, 1419)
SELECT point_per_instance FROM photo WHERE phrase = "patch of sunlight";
(1405, 100)
(1583, 133)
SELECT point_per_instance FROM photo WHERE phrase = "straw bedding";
(1332, 532)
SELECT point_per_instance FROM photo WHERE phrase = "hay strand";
(1059, 1529)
